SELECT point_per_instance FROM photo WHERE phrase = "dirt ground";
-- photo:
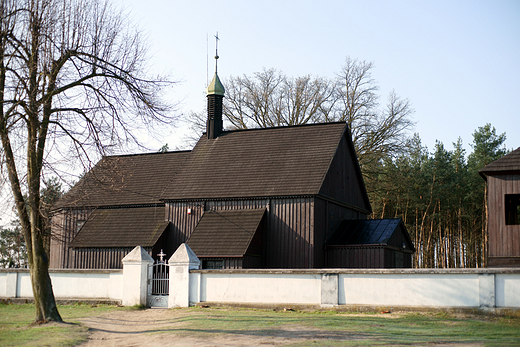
(158, 328)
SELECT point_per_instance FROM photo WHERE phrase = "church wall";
(342, 182)
(65, 224)
(100, 258)
(289, 232)
(184, 217)
(290, 235)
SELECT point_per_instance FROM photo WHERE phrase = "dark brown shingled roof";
(225, 232)
(508, 164)
(122, 227)
(125, 180)
(258, 163)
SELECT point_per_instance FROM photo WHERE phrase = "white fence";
(67, 284)
(419, 288)
(393, 288)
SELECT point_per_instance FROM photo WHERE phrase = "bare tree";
(72, 79)
(383, 134)
(270, 99)
(376, 132)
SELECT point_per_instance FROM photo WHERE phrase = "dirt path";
(161, 327)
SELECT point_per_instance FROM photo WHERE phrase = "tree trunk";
(44, 300)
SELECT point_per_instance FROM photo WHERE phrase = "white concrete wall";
(436, 288)
(256, 288)
(23, 286)
(507, 290)
(442, 288)
(66, 284)
(450, 290)
(88, 285)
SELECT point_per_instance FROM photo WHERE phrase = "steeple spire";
(216, 87)
(216, 51)
(215, 94)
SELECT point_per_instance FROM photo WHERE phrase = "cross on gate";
(161, 255)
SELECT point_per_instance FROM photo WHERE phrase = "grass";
(327, 328)
(339, 329)
(16, 328)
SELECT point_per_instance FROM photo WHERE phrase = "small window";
(213, 264)
(512, 209)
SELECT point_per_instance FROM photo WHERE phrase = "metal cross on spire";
(216, 51)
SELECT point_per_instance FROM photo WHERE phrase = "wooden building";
(370, 243)
(258, 198)
(503, 188)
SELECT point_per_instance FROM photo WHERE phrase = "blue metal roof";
(366, 232)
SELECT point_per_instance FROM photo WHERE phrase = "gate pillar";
(181, 262)
(135, 276)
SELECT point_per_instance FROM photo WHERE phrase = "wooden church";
(259, 198)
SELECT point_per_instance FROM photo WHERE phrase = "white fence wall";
(419, 288)
(67, 284)
(266, 288)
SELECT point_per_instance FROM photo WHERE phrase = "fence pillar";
(486, 286)
(329, 289)
(181, 262)
(135, 276)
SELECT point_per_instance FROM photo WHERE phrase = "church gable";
(344, 181)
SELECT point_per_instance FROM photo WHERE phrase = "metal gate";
(158, 283)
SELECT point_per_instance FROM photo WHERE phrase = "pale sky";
(458, 62)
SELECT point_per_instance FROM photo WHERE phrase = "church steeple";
(215, 94)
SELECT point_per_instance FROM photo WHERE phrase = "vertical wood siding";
(182, 222)
(504, 240)
(327, 217)
(355, 257)
(63, 229)
(100, 258)
(236, 204)
(369, 257)
(290, 238)
(252, 262)
(229, 263)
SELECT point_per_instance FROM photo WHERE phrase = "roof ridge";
(281, 127)
(144, 154)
